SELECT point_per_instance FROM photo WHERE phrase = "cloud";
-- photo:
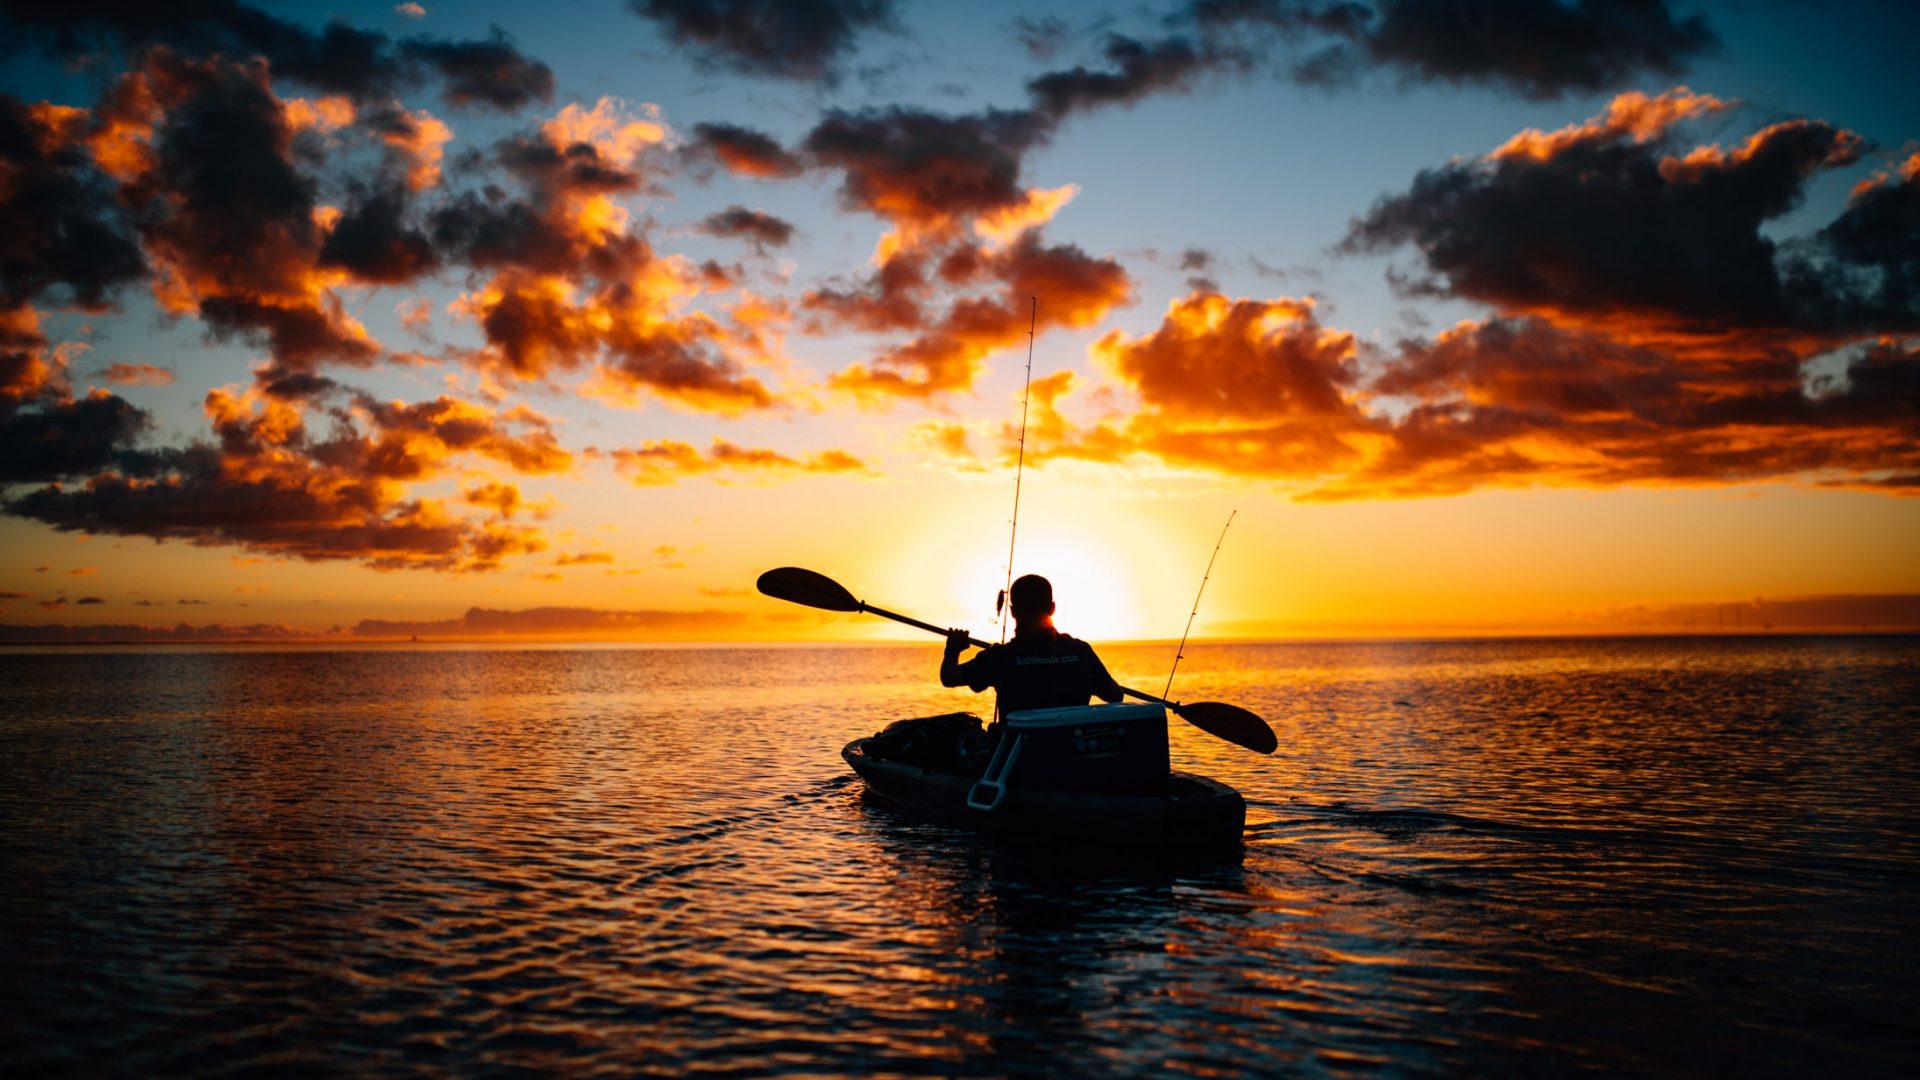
(1616, 225)
(743, 151)
(1878, 236)
(416, 139)
(573, 285)
(1260, 389)
(569, 622)
(1243, 386)
(942, 180)
(665, 461)
(1537, 48)
(62, 234)
(1523, 401)
(52, 438)
(339, 59)
(271, 486)
(86, 600)
(950, 351)
(921, 170)
(46, 433)
(802, 40)
(583, 558)
(490, 73)
(416, 314)
(410, 10)
(102, 633)
(1632, 115)
(206, 156)
(1873, 612)
(762, 230)
(1137, 70)
(374, 242)
(137, 375)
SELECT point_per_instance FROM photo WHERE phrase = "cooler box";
(1092, 749)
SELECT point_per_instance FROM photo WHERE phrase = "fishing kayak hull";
(1194, 812)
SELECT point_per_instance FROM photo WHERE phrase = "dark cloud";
(1878, 237)
(86, 600)
(491, 72)
(60, 229)
(52, 438)
(1542, 48)
(1615, 224)
(1198, 264)
(338, 59)
(376, 243)
(101, 633)
(1538, 48)
(743, 151)
(785, 39)
(923, 168)
(760, 229)
(1138, 69)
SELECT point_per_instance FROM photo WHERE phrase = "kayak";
(1094, 775)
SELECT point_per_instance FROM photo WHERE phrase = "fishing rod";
(1026, 389)
(1179, 652)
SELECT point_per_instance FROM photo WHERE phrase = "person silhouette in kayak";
(1041, 668)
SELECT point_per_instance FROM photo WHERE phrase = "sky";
(461, 321)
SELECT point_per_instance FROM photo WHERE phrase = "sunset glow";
(506, 333)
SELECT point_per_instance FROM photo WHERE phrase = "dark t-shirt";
(1040, 671)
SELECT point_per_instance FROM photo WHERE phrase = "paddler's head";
(1031, 599)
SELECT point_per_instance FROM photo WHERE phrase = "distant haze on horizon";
(372, 321)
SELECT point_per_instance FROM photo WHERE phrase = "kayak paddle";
(810, 589)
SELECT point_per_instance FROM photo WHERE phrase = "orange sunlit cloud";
(137, 375)
(664, 461)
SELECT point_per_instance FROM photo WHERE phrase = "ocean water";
(1668, 857)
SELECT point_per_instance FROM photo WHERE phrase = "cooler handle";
(995, 778)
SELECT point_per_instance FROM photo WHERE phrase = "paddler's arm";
(1104, 685)
(952, 671)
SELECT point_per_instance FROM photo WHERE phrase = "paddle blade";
(1230, 722)
(798, 586)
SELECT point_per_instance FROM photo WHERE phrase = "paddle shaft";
(977, 643)
(927, 626)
